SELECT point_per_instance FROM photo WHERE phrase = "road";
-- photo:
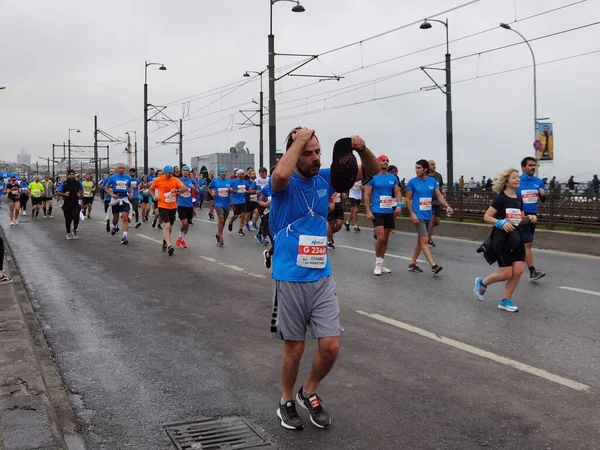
(143, 340)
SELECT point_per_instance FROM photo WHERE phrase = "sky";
(64, 62)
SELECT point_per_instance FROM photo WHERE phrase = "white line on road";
(582, 291)
(479, 352)
(232, 267)
(372, 251)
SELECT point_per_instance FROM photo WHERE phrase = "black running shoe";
(289, 416)
(536, 275)
(330, 245)
(154, 222)
(171, 251)
(436, 269)
(414, 268)
(159, 226)
(267, 257)
(230, 226)
(241, 233)
(347, 225)
(221, 243)
(139, 224)
(108, 226)
(217, 238)
(114, 231)
(164, 246)
(318, 416)
(430, 243)
(124, 241)
(375, 236)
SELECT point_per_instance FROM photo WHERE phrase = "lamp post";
(135, 148)
(78, 131)
(272, 116)
(261, 115)
(449, 131)
(535, 118)
(162, 67)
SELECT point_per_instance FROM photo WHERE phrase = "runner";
(35, 189)
(145, 198)
(506, 243)
(419, 193)
(335, 218)
(531, 189)
(135, 200)
(164, 190)
(355, 196)
(119, 188)
(238, 190)
(176, 172)
(2, 190)
(251, 202)
(185, 207)
(13, 195)
(24, 197)
(107, 198)
(89, 189)
(209, 196)
(157, 219)
(219, 190)
(435, 203)
(47, 196)
(264, 202)
(202, 192)
(305, 292)
(70, 192)
(4, 279)
(382, 202)
(151, 175)
(259, 183)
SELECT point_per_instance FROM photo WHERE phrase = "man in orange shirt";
(164, 191)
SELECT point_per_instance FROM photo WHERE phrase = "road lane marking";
(232, 267)
(479, 352)
(582, 291)
(372, 251)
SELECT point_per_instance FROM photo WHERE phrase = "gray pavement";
(143, 340)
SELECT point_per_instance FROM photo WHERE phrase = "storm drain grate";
(230, 433)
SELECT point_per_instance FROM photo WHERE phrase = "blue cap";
(222, 169)
(168, 169)
(185, 168)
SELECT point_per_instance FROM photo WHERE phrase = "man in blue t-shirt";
(135, 200)
(219, 190)
(420, 192)
(383, 201)
(2, 188)
(185, 205)
(531, 190)
(151, 175)
(118, 187)
(305, 292)
(239, 188)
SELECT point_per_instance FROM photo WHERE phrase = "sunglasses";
(385, 160)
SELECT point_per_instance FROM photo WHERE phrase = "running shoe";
(114, 231)
(377, 271)
(164, 246)
(51, 216)
(44, 216)
(4, 279)
(430, 243)
(318, 416)
(75, 235)
(246, 227)
(178, 242)
(159, 226)
(479, 290)
(375, 236)
(183, 244)
(255, 227)
(347, 225)
(221, 243)
(241, 233)
(506, 304)
(230, 226)
(289, 416)
(217, 238)
(436, 269)
(124, 240)
(17, 222)
(137, 225)
(330, 245)
(357, 229)
(12, 224)
(259, 239)
(385, 270)
(171, 251)
(108, 226)
(414, 268)
(69, 236)
(267, 259)
(536, 275)
(154, 222)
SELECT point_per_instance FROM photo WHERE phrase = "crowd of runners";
(296, 209)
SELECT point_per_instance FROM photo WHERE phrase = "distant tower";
(23, 157)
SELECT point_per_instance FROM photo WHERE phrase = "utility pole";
(96, 168)
(180, 144)
(53, 162)
(136, 162)
(37, 167)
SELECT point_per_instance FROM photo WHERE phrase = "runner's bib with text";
(241, 189)
(223, 192)
(530, 196)
(253, 197)
(312, 252)
(121, 185)
(170, 197)
(387, 202)
(514, 216)
(186, 194)
(36, 192)
(425, 204)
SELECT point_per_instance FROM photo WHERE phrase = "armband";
(500, 224)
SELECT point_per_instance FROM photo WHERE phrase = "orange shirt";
(164, 186)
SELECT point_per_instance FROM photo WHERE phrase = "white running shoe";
(385, 270)
(69, 237)
(377, 271)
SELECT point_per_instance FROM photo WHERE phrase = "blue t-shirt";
(288, 208)
(266, 191)
(383, 200)
(240, 188)
(134, 185)
(201, 185)
(151, 178)
(185, 198)
(423, 192)
(221, 189)
(119, 184)
(2, 187)
(529, 191)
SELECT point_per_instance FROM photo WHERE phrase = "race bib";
(312, 252)
(386, 202)
(88, 194)
(241, 189)
(170, 197)
(253, 197)
(134, 184)
(121, 185)
(36, 192)
(530, 196)
(186, 194)
(223, 192)
(145, 191)
(425, 204)
(514, 216)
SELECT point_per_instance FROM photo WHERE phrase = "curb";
(39, 415)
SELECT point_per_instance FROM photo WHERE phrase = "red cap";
(380, 157)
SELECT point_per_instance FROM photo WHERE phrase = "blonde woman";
(506, 240)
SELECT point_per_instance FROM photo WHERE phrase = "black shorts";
(354, 202)
(384, 220)
(209, 196)
(145, 198)
(337, 213)
(437, 210)
(251, 206)
(46, 199)
(118, 209)
(167, 215)
(528, 231)
(239, 209)
(506, 258)
(36, 201)
(87, 200)
(185, 212)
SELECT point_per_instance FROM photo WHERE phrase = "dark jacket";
(73, 187)
(499, 240)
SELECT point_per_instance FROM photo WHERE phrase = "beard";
(309, 171)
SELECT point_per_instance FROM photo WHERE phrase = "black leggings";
(1, 254)
(265, 231)
(71, 215)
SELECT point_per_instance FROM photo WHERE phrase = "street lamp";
(535, 117)
(135, 147)
(78, 131)
(272, 126)
(261, 115)
(426, 25)
(162, 67)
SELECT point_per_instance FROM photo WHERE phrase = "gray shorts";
(222, 211)
(422, 228)
(298, 306)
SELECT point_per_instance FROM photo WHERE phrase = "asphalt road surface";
(142, 340)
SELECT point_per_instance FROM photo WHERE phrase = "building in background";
(23, 157)
(237, 157)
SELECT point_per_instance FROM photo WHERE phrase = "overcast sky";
(64, 62)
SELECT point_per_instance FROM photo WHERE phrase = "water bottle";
(448, 212)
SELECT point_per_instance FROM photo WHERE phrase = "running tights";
(71, 215)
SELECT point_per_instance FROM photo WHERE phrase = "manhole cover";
(216, 434)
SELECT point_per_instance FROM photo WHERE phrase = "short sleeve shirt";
(423, 192)
(383, 200)
(221, 190)
(510, 208)
(164, 187)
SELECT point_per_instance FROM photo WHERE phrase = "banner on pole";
(544, 144)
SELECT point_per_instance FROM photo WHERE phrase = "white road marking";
(149, 238)
(479, 352)
(582, 291)
(232, 267)
(372, 251)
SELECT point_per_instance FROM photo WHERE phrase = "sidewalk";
(27, 418)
